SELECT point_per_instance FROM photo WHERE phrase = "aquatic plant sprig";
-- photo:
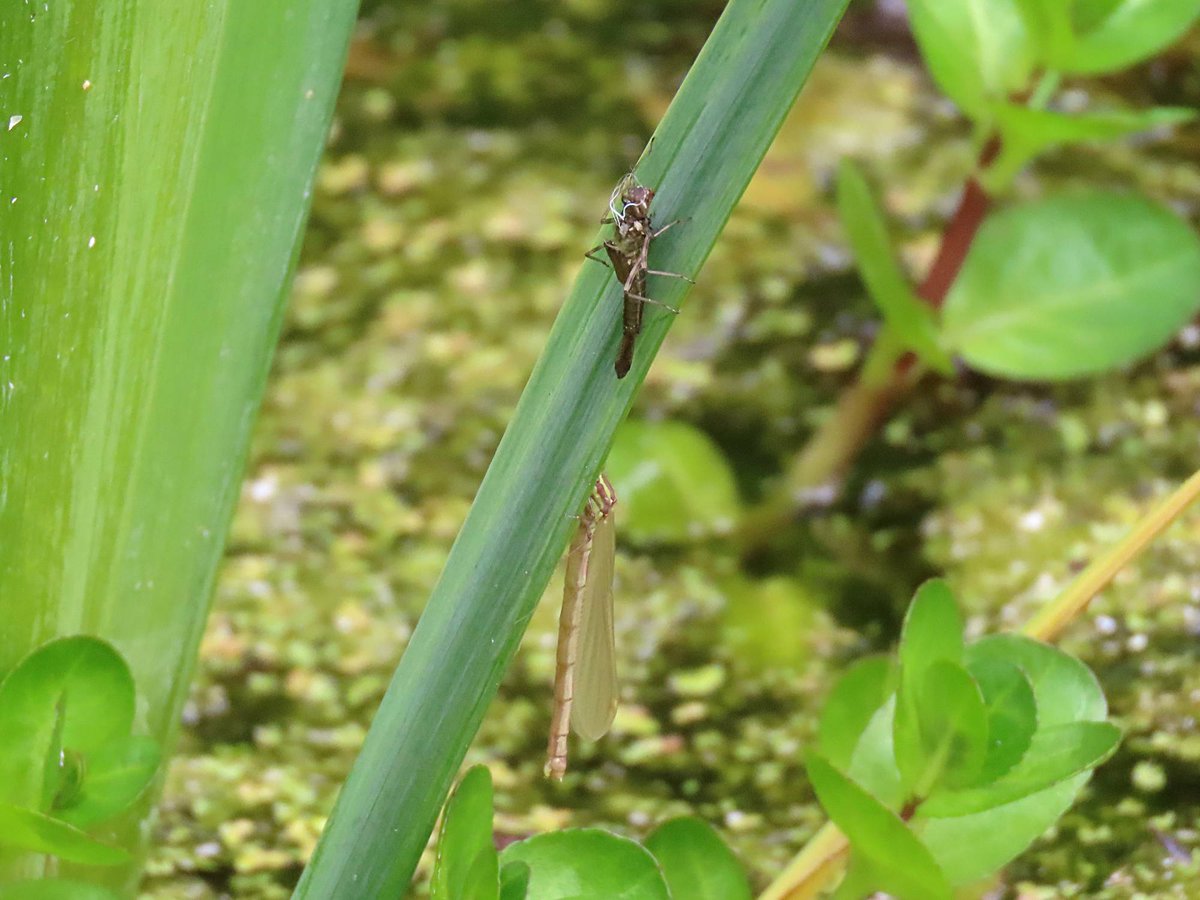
(1006, 294)
(823, 858)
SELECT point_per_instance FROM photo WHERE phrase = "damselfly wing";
(585, 679)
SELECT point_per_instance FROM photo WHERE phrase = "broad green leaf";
(1072, 285)
(696, 863)
(113, 778)
(1011, 714)
(1055, 755)
(932, 632)
(911, 319)
(75, 694)
(1025, 132)
(894, 853)
(514, 881)
(852, 703)
(968, 848)
(973, 846)
(1126, 33)
(467, 865)
(976, 50)
(56, 889)
(25, 829)
(673, 483)
(953, 726)
(587, 864)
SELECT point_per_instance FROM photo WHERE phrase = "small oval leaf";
(696, 863)
(587, 864)
(1073, 285)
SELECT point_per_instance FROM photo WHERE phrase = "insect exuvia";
(585, 676)
(629, 254)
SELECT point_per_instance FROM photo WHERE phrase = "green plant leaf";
(467, 866)
(953, 727)
(514, 881)
(56, 889)
(874, 762)
(25, 829)
(976, 50)
(1025, 132)
(933, 629)
(114, 777)
(932, 633)
(708, 144)
(901, 862)
(1073, 285)
(696, 863)
(75, 694)
(1055, 755)
(673, 483)
(973, 846)
(910, 319)
(587, 864)
(1116, 36)
(1065, 689)
(1048, 24)
(854, 700)
(1011, 714)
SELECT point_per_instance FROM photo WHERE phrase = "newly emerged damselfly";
(585, 676)
(629, 254)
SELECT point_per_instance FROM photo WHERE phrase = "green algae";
(458, 194)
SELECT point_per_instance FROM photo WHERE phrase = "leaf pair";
(980, 52)
(681, 858)
(943, 768)
(68, 760)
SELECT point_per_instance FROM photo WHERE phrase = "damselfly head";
(637, 201)
(629, 194)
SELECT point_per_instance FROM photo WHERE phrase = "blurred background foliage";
(474, 147)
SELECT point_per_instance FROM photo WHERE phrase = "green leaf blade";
(1133, 31)
(932, 633)
(587, 864)
(1073, 285)
(895, 855)
(74, 693)
(852, 703)
(953, 725)
(696, 863)
(467, 866)
(906, 315)
(1055, 755)
(115, 776)
(705, 150)
(1011, 714)
(28, 830)
(976, 50)
(1026, 132)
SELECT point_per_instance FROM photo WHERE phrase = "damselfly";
(585, 677)
(629, 254)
